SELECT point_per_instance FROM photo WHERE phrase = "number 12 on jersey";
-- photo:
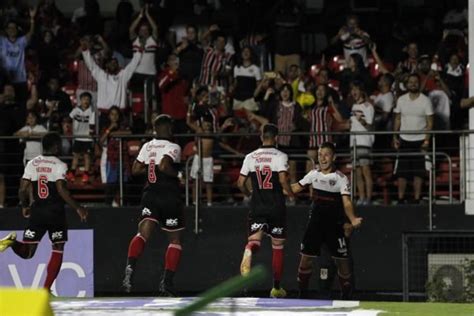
(264, 177)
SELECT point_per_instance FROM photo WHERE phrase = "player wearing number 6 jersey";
(161, 202)
(46, 176)
(331, 208)
(267, 168)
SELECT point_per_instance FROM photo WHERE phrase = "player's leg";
(251, 248)
(344, 273)
(417, 185)
(135, 249)
(360, 185)
(172, 259)
(54, 264)
(367, 173)
(25, 250)
(305, 270)
(277, 267)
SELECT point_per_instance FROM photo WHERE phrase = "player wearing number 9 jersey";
(45, 176)
(267, 168)
(161, 202)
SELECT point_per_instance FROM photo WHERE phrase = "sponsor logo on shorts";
(57, 235)
(323, 273)
(30, 234)
(172, 222)
(256, 226)
(277, 230)
(146, 212)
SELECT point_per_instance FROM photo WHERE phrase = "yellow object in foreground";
(15, 302)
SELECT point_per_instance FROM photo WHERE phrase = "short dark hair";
(269, 131)
(50, 141)
(192, 26)
(202, 89)
(85, 94)
(328, 145)
(417, 76)
(162, 120)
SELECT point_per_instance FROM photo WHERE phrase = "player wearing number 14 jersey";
(161, 202)
(45, 175)
(267, 168)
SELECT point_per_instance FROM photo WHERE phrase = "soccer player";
(46, 176)
(268, 171)
(331, 206)
(161, 202)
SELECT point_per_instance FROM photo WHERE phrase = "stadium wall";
(214, 255)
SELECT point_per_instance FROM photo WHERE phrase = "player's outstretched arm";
(349, 210)
(66, 196)
(297, 188)
(24, 197)
(242, 187)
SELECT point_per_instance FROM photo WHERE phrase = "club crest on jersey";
(146, 212)
(332, 182)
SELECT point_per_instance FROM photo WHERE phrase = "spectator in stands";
(66, 130)
(57, 101)
(147, 40)
(322, 114)
(287, 34)
(31, 134)
(48, 55)
(362, 119)
(49, 16)
(413, 112)
(12, 52)
(294, 78)
(190, 54)
(383, 105)
(355, 71)
(109, 160)
(174, 91)
(268, 91)
(258, 42)
(111, 83)
(83, 117)
(322, 78)
(88, 18)
(354, 39)
(216, 62)
(430, 76)
(85, 80)
(410, 64)
(247, 76)
(287, 115)
(454, 72)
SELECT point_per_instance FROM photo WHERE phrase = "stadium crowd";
(88, 76)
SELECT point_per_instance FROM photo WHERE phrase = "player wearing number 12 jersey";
(267, 168)
(161, 202)
(46, 176)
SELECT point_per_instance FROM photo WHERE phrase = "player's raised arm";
(66, 196)
(349, 210)
(24, 197)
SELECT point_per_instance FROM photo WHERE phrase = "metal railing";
(434, 152)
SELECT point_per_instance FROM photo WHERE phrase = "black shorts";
(273, 225)
(408, 167)
(165, 208)
(82, 147)
(51, 219)
(329, 232)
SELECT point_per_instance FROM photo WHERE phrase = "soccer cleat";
(7, 241)
(127, 280)
(303, 294)
(167, 290)
(346, 292)
(277, 293)
(246, 263)
(85, 178)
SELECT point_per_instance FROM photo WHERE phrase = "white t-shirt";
(33, 147)
(413, 115)
(146, 65)
(82, 120)
(384, 102)
(246, 78)
(365, 111)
